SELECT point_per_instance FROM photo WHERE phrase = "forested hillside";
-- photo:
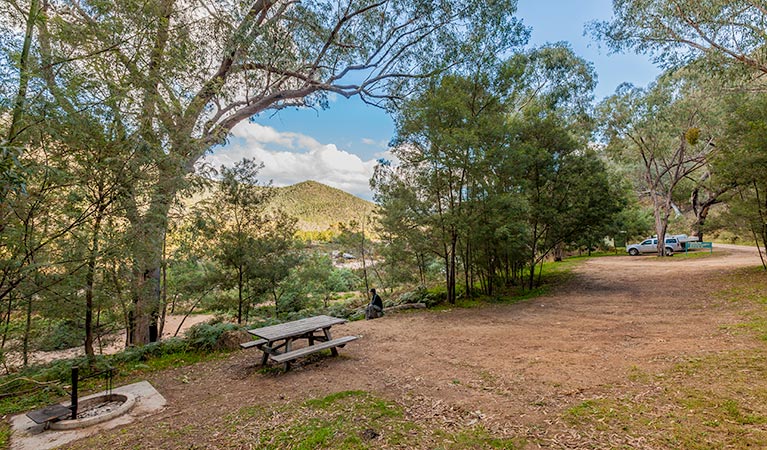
(315, 206)
(319, 207)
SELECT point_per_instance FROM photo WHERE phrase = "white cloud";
(300, 158)
(374, 143)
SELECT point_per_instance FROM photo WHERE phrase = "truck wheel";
(633, 252)
(669, 251)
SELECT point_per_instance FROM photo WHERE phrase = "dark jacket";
(376, 301)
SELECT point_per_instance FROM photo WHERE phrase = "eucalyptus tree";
(497, 162)
(678, 32)
(743, 160)
(564, 185)
(665, 132)
(442, 139)
(14, 15)
(232, 220)
(180, 75)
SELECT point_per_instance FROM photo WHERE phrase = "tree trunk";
(18, 103)
(466, 269)
(163, 286)
(27, 332)
(90, 277)
(559, 252)
(661, 212)
(148, 233)
(7, 319)
(531, 277)
(364, 265)
(239, 296)
(451, 297)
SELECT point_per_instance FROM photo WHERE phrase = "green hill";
(318, 207)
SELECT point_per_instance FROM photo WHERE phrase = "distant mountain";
(318, 207)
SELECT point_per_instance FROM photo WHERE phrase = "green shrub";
(343, 310)
(431, 297)
(63, 334)
(206, 336)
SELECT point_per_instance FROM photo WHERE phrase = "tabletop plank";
(296, 327)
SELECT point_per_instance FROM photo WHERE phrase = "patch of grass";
(5, 434)
(705, 402)
(693, 254)
(748, 288)
(31, 400)
(57, 385)
(478, 438)
(638, 375)
(600, 411)
(171, 361)
(343, 420)
(709, 402)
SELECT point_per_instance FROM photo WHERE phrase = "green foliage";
(721, 32)
(741, 163)
(664, 136)
(429, 297)
(692, 135)
(342, 279)
(206, 337)
(494, 173)
(251, 246)
(63, 334)
(109, 137)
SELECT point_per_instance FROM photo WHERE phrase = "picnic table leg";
(264, 357)
(288, 347)
(333, 350)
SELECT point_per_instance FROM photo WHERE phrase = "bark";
(451, 297)
(466, 270)
(239, 295)
(164, 286)
(701, 208)
(7, 320)
(27, 332)
(533, 254)
(364, 264)
(18, 104)
(90, 281)
(559, 252)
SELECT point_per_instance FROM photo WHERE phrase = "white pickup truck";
(674, 243)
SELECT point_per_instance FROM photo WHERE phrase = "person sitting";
(375, 309)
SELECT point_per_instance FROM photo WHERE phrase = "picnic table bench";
(276, 341)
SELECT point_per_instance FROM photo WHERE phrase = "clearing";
(638, 352)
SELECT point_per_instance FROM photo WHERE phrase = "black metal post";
(74, 392)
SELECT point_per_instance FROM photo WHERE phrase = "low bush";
(63, 334)
(207, 336)
(430, 297)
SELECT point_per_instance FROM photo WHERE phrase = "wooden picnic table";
(276, 341)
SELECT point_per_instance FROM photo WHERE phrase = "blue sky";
(339, 146)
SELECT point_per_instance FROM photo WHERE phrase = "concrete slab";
(27, 435)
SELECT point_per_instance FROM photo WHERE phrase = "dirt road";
(517, 367)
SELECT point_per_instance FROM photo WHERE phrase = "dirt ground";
(514, 367)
